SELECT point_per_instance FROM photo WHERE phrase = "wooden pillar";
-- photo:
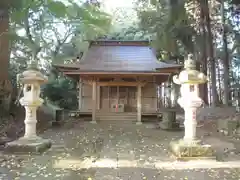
(127, 101)
(94, 101)
(139, 104)
(109, 105)
(156, 96)
(117, 95)
(80, 94)
(98, 97)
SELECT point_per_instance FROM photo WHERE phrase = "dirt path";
(114, 151)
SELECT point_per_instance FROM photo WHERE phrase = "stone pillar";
(190, 124)
(30, 121)
(30, 142)
(139, 104)
(190, 102)
(94, 102)
(190, 147)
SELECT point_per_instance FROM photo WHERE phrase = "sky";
(122, 12)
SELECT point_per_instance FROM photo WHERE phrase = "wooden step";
(116, 116)
(117, 119)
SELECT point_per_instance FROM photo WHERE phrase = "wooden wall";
(149, 98)
(86, 98)
(126, 96)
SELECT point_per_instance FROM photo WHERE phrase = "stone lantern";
(190, 147)
(31, 79)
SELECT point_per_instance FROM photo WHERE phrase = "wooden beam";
(167, 71)
(120, 83)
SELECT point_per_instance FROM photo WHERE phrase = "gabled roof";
(119, 56)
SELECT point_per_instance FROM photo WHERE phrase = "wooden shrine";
(118, 77)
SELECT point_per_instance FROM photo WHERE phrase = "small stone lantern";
(31, 79)
(190, 147)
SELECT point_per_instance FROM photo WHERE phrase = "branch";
(61, 42)
(36, 47)
(27, 28)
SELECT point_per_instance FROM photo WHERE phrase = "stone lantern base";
(194, 150)
(26, 145)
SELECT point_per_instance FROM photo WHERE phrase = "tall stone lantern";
(190, 147)
(31, 79)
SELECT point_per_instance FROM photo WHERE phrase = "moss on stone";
(181, 149)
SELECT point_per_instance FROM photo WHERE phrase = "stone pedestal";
(190, 147)
(194, 150)
(169, 121)
(27, 145)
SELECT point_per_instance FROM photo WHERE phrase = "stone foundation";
(191, 151)
(24, 145)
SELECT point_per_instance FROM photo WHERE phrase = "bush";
(62, 92)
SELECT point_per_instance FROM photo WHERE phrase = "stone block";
(238, 131)
(169, 121)
(24, 145)
(189, 151)
(228, 126)
(207, 113)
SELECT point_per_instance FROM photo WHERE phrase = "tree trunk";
(226, 74)
(203, 87)
(219, 78)
(214, 97)
(5, 83)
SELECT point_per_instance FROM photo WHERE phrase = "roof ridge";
(120, 42)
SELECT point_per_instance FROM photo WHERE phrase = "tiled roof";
(125, 56)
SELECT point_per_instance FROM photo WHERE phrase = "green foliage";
(169, 25)
(57, 8)
(131, 33)
(50, 31)
(46, 26)
(62, 92)
(11, 4)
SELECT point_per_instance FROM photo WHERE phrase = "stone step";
(114, 116)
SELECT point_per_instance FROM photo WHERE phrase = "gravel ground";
(114, 151)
